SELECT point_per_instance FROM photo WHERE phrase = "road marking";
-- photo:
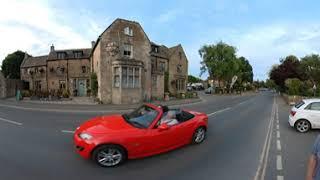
(265, 151)
(279, 162)
(278, 145)
(67, 131)
(211, 114)
(278, 126)
(278, 134)
(12, 122)
(280, 178)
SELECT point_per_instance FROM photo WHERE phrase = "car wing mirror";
(163, 127)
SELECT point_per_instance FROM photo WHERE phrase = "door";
(81, 87)
(313, 113)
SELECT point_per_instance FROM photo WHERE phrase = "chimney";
(52, 48)
(93, 43)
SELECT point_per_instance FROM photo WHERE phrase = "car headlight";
(85, 136)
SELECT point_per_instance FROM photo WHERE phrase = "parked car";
(305, 115)
(149, 130)
(209, 90)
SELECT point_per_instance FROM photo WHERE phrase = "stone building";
(129, 67)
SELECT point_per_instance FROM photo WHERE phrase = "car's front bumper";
(83, 147)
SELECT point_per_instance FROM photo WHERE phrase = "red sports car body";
(149, 130)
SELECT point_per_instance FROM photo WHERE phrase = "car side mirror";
(163, 127)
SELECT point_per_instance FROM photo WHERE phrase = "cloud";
(33, 26)
(263, 45)
(168, 16)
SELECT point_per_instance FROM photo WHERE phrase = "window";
(155, 49)
(84, 69)
(62, 85)
(180, 84)
(37, 85)
(61, 55)
(136, 77)
(179, 68)
(154, 81)
(130, 77)
(77, 54)
(128, 31)
(162, 66)
(127, 50)
(299, 104)
(141, 117)
(314, 106)
(116, 79)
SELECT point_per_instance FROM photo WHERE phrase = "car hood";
(105, 124)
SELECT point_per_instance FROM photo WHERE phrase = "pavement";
(242, 144)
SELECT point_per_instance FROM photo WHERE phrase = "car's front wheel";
(199, 135)
(303, 125)
(109, 155)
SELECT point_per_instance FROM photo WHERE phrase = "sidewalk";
(78, 108)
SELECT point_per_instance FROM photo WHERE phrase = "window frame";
(128, 52)
(128, 31)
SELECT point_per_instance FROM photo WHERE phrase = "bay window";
(130, 77)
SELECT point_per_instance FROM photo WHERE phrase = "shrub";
(94, 84)
(65, 94)
(294, 86)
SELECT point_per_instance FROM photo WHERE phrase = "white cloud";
(263, 45)
(33, 26)
(168, 16)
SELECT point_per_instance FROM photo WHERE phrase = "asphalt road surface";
(242, 143)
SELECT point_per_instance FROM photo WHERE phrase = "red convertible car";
(148, 130)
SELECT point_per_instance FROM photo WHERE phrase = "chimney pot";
(93, 43)
(52, 48)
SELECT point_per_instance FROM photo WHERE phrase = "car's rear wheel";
(109, 155)
(303, 125)
(199, 135)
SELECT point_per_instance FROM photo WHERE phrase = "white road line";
(278, 145)
(277, 126)
(279, 162)
(280, 178)
(67, 131)
(265, 150)
(12, 122)
(278, 134)
(211, 114)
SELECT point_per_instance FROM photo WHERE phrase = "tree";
(310, 64)
(11, 65)
(193, 79)
(294, 86)
(219, 61)
(289, 68)
(245, 73)
(270, 84)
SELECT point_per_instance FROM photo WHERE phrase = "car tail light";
(293, 113)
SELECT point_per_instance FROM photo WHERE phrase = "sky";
(263, 31)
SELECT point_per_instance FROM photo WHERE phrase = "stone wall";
(34, 74)
(9, 87)
(178, 58)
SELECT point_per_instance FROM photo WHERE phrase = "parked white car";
(305, 115)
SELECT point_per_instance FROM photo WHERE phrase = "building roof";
(30, 61)
(69, 53)
(162, 51)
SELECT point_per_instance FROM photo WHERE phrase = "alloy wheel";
(200, 135)
(303, 126)
(109, 157)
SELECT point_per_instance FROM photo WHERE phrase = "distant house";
(129, 67)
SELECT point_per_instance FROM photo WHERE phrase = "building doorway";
(81, 87)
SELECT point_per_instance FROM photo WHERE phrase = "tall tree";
(11, 65)
(245, 73)
(219, 61)
(289, 68)
(310, 65)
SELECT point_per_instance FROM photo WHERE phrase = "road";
(242, 143)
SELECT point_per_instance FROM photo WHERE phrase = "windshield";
(141, 117)
(299, 104)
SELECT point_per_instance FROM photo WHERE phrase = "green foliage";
(94, 84)
(11, 65)
(294, 86)
(270, 84)
(310, 64)
(220, 61)
(193, 79)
